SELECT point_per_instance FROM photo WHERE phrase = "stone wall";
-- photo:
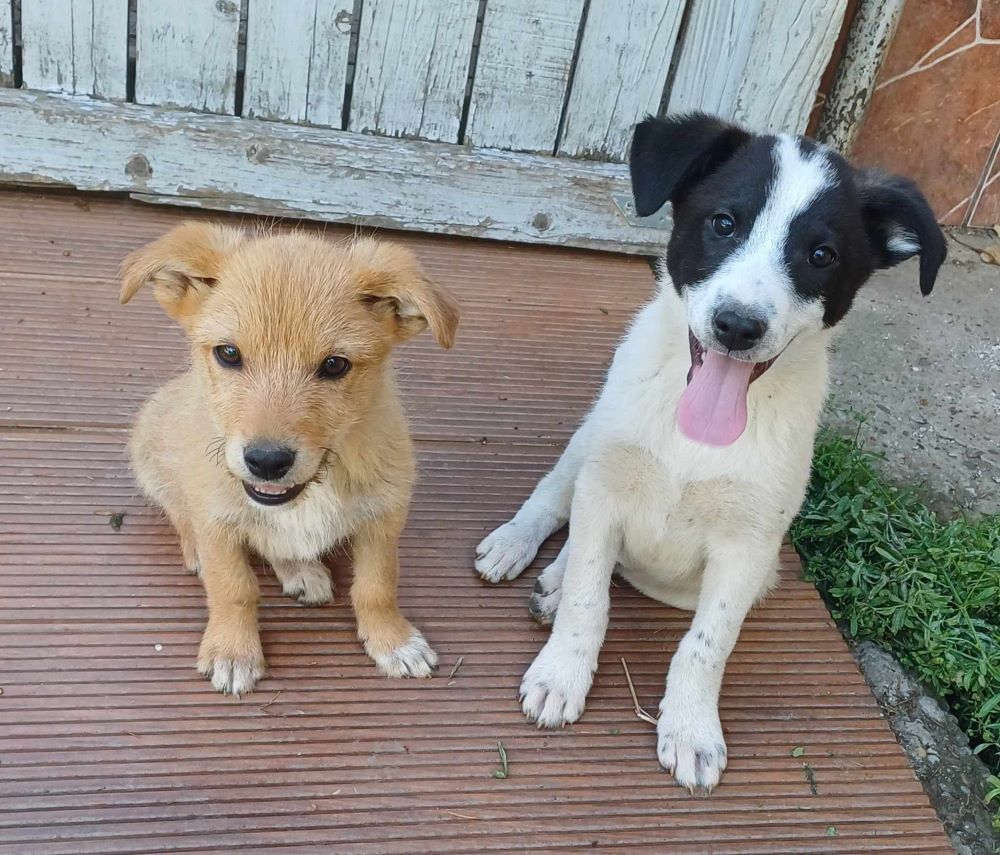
(935, 112)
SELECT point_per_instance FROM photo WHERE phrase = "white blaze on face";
(755, 277)
(754, 281)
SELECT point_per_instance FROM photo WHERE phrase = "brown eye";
(723, 225)
(334, 367)
(822, 256)
(228, 355)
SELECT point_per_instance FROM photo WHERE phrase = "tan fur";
(287, 302)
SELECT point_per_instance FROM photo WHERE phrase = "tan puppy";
(286, 435)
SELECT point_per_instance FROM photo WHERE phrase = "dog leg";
(548, 589)
(306, 581)
(690, 742)
(554, 689)
(230, 653)
(509, 549)
(189, 547)
(399, 650)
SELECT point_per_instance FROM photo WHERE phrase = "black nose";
(268, 461)
(736, 331)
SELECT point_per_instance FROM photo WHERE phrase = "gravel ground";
(926, 374)
(954, 779)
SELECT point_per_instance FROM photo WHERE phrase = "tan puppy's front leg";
(230, 654)
(398, 648)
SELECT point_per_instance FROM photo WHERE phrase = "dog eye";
(334, 367)
(228, 355)
(723, 225)
(822, 256)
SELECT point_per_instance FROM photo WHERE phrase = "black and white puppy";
(689, 469)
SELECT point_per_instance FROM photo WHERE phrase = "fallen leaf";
(991, 255)
(798, 751)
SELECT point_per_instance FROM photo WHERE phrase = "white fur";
(694, 526)
(412, 659)
(903, 242)
(755, 277)
(306, 581)
(233, 678)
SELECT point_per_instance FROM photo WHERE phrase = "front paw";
(413, 658)
(306, 581)
(505, 553)
(554, 689)
(691, 746)
(233, 661)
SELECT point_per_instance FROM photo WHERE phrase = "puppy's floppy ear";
(182, 266)
(391, 281)
(670, 155)
(901, 224)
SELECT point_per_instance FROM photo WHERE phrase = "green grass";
(925, 588)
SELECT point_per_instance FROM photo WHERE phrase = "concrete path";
(926, 373)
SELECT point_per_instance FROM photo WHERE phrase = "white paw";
(506, 552)
(308, 582)
(554, 689)
(692, 747)
(413, 659)
(232, 677)
(544, 604)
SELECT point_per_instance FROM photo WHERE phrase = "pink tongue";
(713, 408)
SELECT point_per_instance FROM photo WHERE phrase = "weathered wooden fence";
(506, 119)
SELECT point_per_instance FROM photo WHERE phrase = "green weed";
(893, 572)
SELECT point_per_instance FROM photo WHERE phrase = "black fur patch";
(705, 167)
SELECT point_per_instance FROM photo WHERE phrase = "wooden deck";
(110, 742)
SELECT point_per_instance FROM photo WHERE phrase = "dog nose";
(268, 461)
(736, 331)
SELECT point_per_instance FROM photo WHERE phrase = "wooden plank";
(6, 44)
(525, 56)
(75, 46)
(413, 64)
(296, 66)
(328, 72)
(186, 53)
(714, 55)
(791, 47)
(867, 45)
(620, 73)
(228, 163)
(756, 61)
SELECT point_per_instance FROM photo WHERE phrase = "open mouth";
(272, 494)
(713, 407)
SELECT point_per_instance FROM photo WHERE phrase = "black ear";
(670, 155)
(901, 224)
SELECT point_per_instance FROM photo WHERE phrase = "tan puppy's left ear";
(182, 267)
(391, 280)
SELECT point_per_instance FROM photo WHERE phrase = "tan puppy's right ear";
(182, 266)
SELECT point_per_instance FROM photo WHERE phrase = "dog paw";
(415, 658)
(192, 562)
(692, 748)
(233, 665)
(544, 604)
(306, 581)
(232, 677)
(554, 689)
(505, 553)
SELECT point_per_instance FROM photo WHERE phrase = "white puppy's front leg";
(554, 689)
(690, 742)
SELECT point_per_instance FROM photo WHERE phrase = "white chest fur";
(677, 495)
(309, 527)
